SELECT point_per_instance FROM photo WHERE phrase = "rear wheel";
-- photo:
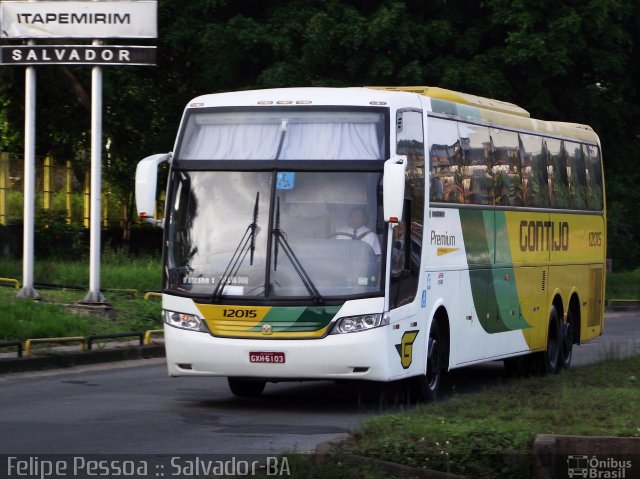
(551, 358)
(246, 387)
(426, 385)
(567, 344)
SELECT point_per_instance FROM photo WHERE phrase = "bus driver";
(359, 231)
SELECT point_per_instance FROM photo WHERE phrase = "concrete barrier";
(585, 456)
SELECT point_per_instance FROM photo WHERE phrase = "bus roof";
(493, 111)
(449, 102)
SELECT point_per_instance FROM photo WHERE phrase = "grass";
(118, 270)
(20, 319)
(624, 285)
(469, 434)
(490, 434)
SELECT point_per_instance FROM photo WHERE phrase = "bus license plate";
(266, 357)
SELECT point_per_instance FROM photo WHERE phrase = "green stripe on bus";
(298, 318)
(494, 292)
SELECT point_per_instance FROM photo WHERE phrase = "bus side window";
(405, 261)
(478, 172)
(557, 168)
(577, 176)
(446, 160)
(594, 178)
(506, 168)
(534, 171)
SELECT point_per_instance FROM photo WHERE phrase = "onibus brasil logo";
(594, 467)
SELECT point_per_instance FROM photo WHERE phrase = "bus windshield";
(279, 235)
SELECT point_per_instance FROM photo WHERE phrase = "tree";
(570, 60)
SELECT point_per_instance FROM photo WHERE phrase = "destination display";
(77, 55)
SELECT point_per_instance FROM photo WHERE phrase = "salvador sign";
(77, 55)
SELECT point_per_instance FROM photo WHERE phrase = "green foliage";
(55, 238)
(571, 61)
(623, 285)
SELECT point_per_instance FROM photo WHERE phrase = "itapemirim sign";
(74, 19)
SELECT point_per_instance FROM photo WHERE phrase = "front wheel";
(246, 387)
(426, 385)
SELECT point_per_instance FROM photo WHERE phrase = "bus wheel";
(552, 356)
(426, 385)
(567, 344)
(246, 387)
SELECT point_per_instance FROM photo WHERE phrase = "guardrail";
(75, 339)
(97, 337)
(152, 294)
(86, 344)
(8, 344)
(149, 332)
(14, 282)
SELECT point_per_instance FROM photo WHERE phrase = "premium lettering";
(442, 240)
(544, 236)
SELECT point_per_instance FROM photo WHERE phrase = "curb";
(65, 360)
(622, 304)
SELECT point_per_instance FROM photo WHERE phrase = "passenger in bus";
(359, 231)
(437, 189)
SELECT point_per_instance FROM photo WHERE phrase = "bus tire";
(246, 387)
(566, 351)
(551, 358)
(426, 385)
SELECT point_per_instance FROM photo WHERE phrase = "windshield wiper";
(246, 245)
(283, 130)
(281, 241)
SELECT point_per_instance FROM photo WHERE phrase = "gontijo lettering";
(544, 236)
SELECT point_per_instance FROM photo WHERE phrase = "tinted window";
(535, 181)
(577, 175)
(446, 160)
(594, 177)
(506, 168)
(557, 168)
(478, 172)
(406, 246)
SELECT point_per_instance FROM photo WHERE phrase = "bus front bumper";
(359, 355)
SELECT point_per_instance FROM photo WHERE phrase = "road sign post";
(25, 19)
(28, 290)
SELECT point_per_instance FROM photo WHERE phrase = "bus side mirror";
(146, 179)
(393, 188)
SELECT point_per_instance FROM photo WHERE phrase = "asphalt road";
(132, 407)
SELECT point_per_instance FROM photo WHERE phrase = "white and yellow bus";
(375, 234)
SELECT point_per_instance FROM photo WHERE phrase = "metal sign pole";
(94, 295)
(28, 291)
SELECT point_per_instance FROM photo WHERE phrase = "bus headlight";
(184, 321)
(351, 324)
